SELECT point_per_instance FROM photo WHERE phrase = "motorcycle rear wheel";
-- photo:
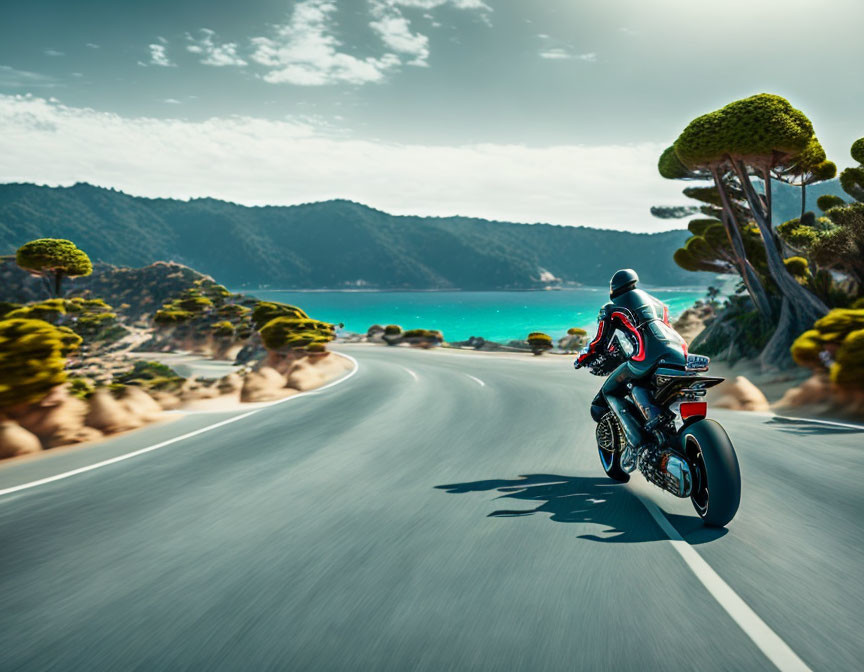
(716, 475)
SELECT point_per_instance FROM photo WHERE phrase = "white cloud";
(306, 52)
(559, 53)
(171, 101)
(13, 78)
(158, 56)
(219, 55)
(395, 32)
(54, 52)
(256, 161)
(91, 45)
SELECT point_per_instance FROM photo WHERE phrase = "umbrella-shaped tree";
(53, 259)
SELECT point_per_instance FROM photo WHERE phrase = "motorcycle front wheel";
(716, 490)
(610, 441)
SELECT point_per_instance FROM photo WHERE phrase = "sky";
(532, 111)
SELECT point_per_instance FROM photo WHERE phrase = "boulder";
(140, 404)
(305, 376)
(108, 415)
(58, 419)
(738, 395)
(15, 440)
(266, 384)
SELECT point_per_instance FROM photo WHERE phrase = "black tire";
(716, 475)
(610, 440)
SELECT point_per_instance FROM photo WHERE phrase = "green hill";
(334, 244)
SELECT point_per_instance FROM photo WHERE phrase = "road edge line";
(768, 641)
(176, 439)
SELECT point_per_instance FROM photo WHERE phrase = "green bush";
(265, 311)
(32, 359)
(392, 330)
(149, 374)
(848, 367)
(169, 317)
(222, 329)
(539, 342)
(80, 387)
(839, 335)
(294, 333)
(576, 331)
(828, 201)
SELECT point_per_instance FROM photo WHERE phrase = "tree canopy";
(53, 258)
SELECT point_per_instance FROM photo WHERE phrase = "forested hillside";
(334, 244)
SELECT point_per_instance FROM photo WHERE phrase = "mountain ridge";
(335, 244)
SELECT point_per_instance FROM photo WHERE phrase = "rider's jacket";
(644, 322)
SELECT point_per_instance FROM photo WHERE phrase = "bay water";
(496, 316)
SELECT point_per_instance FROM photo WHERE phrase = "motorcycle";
(687, 454)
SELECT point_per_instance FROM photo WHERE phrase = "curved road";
(437, 511)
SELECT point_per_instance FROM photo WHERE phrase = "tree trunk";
(802, 302)
(58, 280)
(776, 354)
(748, 274)
(803, 200)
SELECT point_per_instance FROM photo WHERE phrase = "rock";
(230, 384)
(814, 390)
(140, 404)
(58, 419)
(15, 440)
(691, 322)
(738, 395)
(166, 400)
(266, 384)
(108, 415)
(192, 390)
(304, 376)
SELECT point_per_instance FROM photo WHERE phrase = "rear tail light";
(691, 409)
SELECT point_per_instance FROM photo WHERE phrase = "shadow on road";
(578, 499)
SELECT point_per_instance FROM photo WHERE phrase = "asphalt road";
(434, 512)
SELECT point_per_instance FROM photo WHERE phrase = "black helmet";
(623, 281)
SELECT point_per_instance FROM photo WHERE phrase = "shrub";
(265, 311)
(539, 342)
(293, 333)
(149, 374)
(222, 329)
(392, 330)
(169, 317)
(32, 359)
(836, 342)
(828, 201)
(316, 348)
(848, 367)
(798, 267)
(80, 387)
(576, 331)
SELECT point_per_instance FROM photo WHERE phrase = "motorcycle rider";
(643, 321)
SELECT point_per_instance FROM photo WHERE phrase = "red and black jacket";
(644, 321)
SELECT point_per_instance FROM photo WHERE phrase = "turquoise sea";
(496, 316)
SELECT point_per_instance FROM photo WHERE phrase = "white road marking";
(148, 449)
(768, 641)
(828, 423)
(476, 380)
(412, 374)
